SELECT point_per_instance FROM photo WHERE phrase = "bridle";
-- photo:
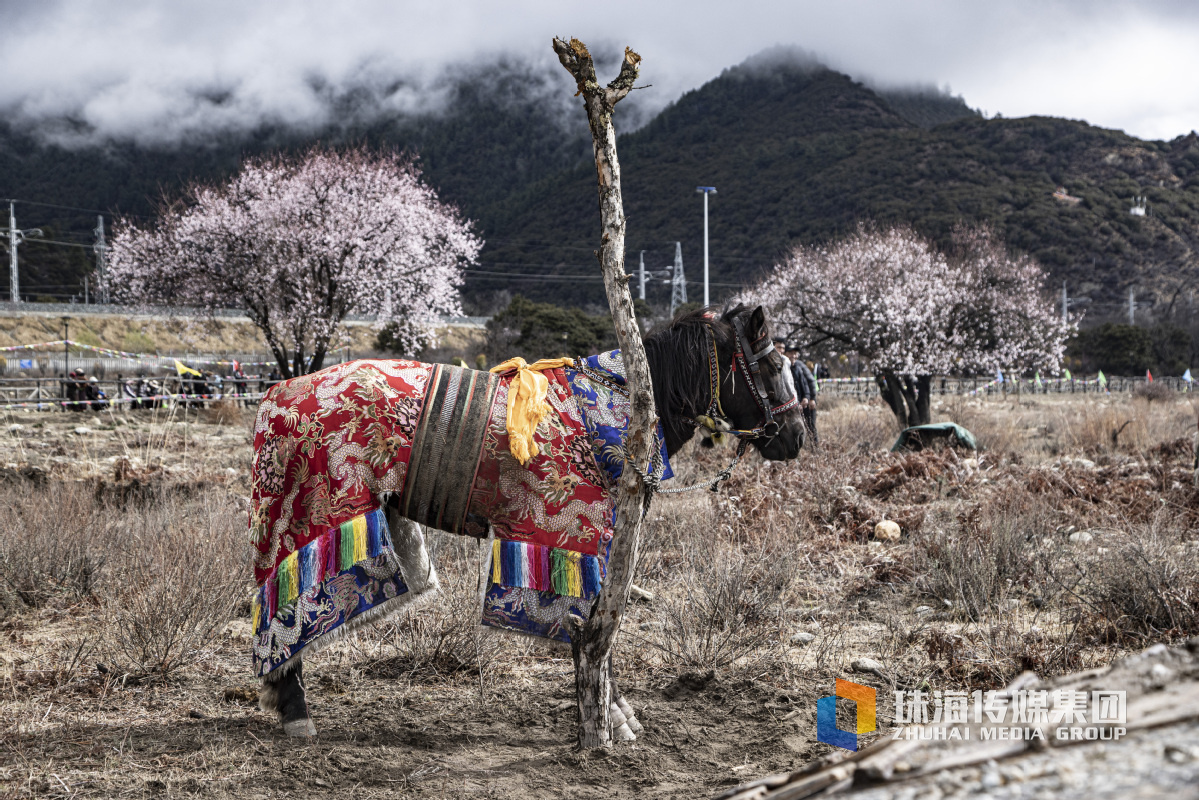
(745, 361)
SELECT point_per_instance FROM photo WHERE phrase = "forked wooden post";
(591, 640)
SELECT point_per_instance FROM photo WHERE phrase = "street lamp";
(705, 191)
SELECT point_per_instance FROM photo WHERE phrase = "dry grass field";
(124, 597)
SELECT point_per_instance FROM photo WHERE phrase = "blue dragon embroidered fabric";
(606, 414)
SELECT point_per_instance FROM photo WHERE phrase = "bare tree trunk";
(591, 640)
(908, 396)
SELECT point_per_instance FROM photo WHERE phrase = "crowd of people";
(83, 392)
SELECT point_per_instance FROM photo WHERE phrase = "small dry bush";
(443, 638)
(720, 588)
(992, 554)
(1150, 392)
(179, 573)
(167, 575)
(723, 609)
(1139, 585)
(227, 411)
(48, 551)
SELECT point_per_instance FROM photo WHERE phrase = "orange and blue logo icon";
(826, 715)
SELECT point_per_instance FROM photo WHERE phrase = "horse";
(351, 461)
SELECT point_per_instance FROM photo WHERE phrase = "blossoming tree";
(299, 243)
(912, 311)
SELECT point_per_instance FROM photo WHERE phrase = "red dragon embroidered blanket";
(331, 445)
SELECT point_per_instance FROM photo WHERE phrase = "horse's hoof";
(630, 718)
(300, 728)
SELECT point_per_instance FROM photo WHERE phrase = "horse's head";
(756, 394)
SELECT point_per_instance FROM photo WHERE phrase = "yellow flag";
(182, 370)
(526, 402)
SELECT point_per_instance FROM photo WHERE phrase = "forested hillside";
(798, 153)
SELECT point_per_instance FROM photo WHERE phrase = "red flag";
(1148, 376)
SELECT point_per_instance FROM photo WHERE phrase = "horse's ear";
(757, 324)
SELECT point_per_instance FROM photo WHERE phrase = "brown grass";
(123, 584)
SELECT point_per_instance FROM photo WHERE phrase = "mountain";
(799, 153)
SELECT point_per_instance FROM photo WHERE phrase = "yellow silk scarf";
(526, 401)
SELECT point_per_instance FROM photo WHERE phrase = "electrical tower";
(678, 283)
(101, 260)
(15, 237)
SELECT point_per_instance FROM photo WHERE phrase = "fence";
(51, 394)
(866, 387)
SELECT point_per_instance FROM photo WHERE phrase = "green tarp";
(920, 436)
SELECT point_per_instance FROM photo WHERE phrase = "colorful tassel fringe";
(332, 552)
(546, 569)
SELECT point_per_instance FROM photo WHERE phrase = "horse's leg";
(284, 694)
(417, 570)
(625, 726)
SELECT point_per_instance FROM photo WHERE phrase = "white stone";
(15, 427)
(803, 638)
(866, 665)
(83, 431)
(1081, 537)
(887, 531)
(1161, 674)
(923, 610)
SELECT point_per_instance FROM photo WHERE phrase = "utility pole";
(678, 283)
(101, 249)
(1132, 308)
(705, 191)
(641, 274)
(86, 299)
(15, 237)
(1065, 303)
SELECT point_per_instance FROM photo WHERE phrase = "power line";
(73, 208)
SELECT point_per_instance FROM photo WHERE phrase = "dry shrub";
(927, 465)
(723, 608)
(179, 573)
(1140, 584)
(991, 554)
(48, 550)
(226, 411)
(167, 573)
(443, 638)
(1150, 392)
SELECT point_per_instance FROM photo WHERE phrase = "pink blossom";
(301, 242)
(909, 309)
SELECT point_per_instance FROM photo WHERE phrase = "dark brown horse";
(717, 373)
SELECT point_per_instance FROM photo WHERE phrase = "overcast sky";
(151, 68)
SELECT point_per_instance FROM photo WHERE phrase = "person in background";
(805, 389)
(76, 390)
(240, 382)
(128, 391)
(99, 400)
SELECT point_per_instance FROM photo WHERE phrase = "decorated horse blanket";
(332, 446)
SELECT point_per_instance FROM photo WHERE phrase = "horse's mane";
(678, 364)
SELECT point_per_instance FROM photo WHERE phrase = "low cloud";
(168, 72)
